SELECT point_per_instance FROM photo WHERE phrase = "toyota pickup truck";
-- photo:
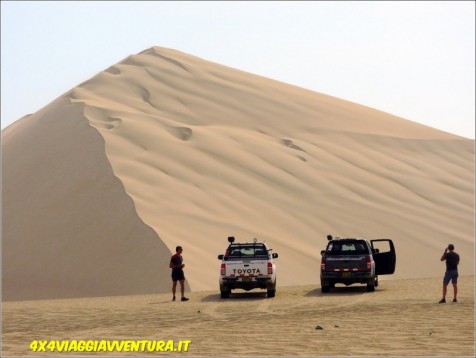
(354, 260)
(247, 266)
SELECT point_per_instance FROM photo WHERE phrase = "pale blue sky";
(412, 59)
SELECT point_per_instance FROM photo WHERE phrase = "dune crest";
(206, 151)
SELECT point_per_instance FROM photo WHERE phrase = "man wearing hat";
(451, 273)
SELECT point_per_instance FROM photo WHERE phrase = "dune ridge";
(202, 151)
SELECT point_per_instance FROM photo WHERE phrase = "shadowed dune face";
(199, 151)
(69, 229)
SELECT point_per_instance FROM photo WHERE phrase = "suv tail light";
(323, 264)
(223, 270)
(270, 268)
(369, 263)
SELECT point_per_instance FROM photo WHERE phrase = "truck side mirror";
(220, 257)
(322, 252)
(275, 255)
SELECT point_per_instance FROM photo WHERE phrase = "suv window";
(346, 248)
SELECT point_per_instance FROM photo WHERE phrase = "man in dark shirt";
(451, 273)
(176, 264)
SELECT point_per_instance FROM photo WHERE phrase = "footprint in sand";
(289, 143)
(110, 123)
(182, 133)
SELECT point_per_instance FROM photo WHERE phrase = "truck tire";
(271, 290)
(325, 286)
(224, 294)
(371, 285)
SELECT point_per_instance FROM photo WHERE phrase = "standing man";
(451, 274)
(176, 264)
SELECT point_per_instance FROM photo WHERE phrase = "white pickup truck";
(247, 266)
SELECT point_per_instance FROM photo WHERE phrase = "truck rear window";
(346, 248)
(246, 251)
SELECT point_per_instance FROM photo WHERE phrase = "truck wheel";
(371, 285)
(224, 291)
(325, 286)
(272, 290)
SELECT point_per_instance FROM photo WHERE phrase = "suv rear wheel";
(325, 286)
(371, 283)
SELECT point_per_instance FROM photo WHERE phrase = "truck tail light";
(223, 270)
(369, 263)
(270, 268)
(323, 264)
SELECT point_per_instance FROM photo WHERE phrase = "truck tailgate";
(346, 263)
(246, 268)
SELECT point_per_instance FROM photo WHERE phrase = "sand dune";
(401, 318)
(166, 149)
(68, 228)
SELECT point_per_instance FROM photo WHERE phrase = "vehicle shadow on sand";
(249, 296)
(340, 291)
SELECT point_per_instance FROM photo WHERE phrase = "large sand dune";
(166, 149)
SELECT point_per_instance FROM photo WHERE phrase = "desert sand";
(401, 318)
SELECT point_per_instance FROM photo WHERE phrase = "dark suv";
(355, 260)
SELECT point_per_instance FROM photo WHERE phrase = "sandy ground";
(401, 318)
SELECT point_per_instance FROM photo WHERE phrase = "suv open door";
(384, 256)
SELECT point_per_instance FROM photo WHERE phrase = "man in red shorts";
(176, 264)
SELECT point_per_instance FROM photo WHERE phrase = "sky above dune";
(415, 60)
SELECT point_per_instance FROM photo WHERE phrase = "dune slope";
(68, 228)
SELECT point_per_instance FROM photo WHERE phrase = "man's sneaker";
(173, 299)
(184, 299)
(442, 301)
(455, 300)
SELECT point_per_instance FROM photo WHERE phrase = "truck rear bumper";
(347, 277)
(238, 282)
